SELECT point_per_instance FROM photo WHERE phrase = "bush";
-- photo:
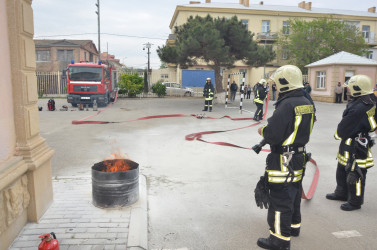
(159, 89)
(131, 85)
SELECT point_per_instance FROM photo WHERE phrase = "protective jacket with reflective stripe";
(357, 118)
(260, 94)
(290, 125)
(208, 91)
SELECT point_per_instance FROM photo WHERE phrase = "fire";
(116, 163)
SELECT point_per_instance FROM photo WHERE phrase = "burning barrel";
(115, 183)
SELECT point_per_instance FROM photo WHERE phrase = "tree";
(219, 42)
(146, 81)
(310, 41)
(130, 84)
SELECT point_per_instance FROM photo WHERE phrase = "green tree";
(145, 81)
(131, 84)
(159, 89)
(310, 41)
(219, 42)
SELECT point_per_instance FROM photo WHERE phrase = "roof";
(343, 58)
(61, 42)
(282, 8)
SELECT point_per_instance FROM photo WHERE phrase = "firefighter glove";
(354, 175)
(261, 193)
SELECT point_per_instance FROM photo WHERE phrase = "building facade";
(266, 21)
(55, 55)
(25, 158)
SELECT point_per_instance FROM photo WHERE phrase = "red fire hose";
(198, 136)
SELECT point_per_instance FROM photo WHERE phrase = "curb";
(138, 229)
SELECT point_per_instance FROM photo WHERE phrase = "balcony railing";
(267, 36)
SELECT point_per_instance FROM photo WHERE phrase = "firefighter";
(208, 93)
(260, 95)
(287, 132)
(354, 156)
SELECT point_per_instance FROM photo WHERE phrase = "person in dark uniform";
(287, 132)
(260, 95)
(208, 93)
(354, 156)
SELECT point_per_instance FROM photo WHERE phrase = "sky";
(126, 26)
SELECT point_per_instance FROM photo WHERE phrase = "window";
(365, 31)
(321, 79)
(90, 57)
(285, 54)
(266, 26)
(286, 27)
(78, 73)
(370, 55)
(65, 55)
(43, 55)
(246, 23)
(85, 58)
(164, 76)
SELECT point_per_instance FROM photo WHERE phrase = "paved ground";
(200, 196)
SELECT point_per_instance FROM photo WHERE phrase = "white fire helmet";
(287, 78)
(208, 79)
(262, 81)
(359, 85)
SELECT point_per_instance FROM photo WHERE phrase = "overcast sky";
(133, 23)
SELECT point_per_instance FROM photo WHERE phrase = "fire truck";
(89, 82)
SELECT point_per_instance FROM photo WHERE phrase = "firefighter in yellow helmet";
(354, 156)
(260, 95)
(208, 93)
(287, 132)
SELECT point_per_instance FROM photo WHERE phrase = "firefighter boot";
(210, 109)
(205, 109)
(274, 243)
(349, 207)
(335, 197)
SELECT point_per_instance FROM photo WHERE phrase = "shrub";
(159, 89)
(130, 84)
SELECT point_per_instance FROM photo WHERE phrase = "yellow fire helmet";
(287, 78)
(262, 81)
(359, 85)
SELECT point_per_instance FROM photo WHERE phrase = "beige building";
(325, 74)
(266, 21)
(55, 55)
(25, 158)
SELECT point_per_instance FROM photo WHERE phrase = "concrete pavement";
(200, 196)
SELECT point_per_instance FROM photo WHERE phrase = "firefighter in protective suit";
(260, 95)
(354, 156)
(208, 93)
(287, 132)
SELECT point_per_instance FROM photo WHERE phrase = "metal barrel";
(115, 189)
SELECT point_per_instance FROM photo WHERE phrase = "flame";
(116, 163)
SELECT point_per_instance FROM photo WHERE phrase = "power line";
(109, 34)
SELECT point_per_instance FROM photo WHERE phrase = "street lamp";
(99, 31)
(148, 46)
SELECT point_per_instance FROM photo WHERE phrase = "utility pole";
(148, 46)
(99, 31)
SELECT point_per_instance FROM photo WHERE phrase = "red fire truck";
(87, 82)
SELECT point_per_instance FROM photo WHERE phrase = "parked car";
(176, 89)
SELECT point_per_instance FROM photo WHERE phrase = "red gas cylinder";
(48, 243)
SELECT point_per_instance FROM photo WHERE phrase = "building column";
(25, 175)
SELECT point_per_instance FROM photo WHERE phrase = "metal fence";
(51, 83)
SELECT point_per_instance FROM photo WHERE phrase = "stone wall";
(13, 202)
(25, 169)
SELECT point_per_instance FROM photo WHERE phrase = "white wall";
(7, 128)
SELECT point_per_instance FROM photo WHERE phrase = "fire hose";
(198, 136)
